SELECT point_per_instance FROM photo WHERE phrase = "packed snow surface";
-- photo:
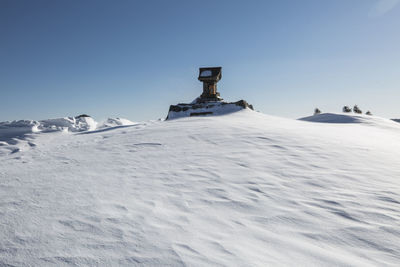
(244, 189)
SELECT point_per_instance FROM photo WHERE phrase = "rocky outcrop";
(199, 107)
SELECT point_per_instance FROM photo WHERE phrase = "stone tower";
(210, 77)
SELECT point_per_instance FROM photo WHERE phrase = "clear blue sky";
(133, 59)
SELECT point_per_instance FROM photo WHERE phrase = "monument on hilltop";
(210, 78)
(209, 102)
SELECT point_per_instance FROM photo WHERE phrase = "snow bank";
(334, 118)
(111, 122)
(21, 128)
(69, 124)
(15, 131)
(10, 129)
(352, 118)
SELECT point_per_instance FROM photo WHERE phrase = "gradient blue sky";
(133, 59)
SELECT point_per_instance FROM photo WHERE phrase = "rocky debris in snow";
(346, 109)
(357, 110)
(317, 111)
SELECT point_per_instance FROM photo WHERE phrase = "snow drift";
(353, 118)
(243, 189)
(9, 129)
(12, 132)
(111, 122)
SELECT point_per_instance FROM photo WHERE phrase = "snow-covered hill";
(244, 189)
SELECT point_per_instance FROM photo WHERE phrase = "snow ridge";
(18, 135)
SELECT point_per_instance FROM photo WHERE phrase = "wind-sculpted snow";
(111, 122)
(15, 129)
(334, 118)
(17, 135)
(244, 189)
(350, 118)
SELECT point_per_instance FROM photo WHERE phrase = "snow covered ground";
(244, 189)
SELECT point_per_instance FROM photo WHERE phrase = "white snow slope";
(244, 189)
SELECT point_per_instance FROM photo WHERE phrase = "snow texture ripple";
(244, 189)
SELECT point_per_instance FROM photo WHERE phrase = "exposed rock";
(199, 107)
(82, 116)
(346, 109)
(243, 104)
(200, 113)
(357, 110)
